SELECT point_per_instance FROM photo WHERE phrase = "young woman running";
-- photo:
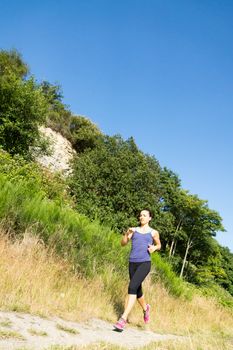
(143, 239)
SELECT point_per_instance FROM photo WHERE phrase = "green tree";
(226, 281)
(199, 225)
(85, 134)
(11, 62)
(190, 240)
(22, 106)
(173, 201)
(115, 180)
(22, 110)
(58, 116)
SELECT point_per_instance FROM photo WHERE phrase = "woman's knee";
(133, 288)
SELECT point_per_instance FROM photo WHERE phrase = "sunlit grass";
(35, 280)
(67, 329)
(5, 323)
(37, 332)
(10, 334)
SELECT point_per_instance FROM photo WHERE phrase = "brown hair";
(148, 210)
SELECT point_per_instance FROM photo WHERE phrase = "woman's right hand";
(127, 236)
(130, 232)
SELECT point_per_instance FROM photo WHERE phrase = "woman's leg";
(140, 296)
(142, 302)
(138, 272)
(129, 305)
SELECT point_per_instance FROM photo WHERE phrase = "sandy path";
(59, 332)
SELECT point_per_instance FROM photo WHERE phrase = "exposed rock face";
(61, 152)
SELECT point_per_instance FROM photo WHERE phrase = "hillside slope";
(71, 302)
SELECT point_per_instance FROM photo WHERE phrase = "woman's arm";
(127, 236)
(157, 246)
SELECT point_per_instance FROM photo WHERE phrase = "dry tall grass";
(34, 280)
(169, 314)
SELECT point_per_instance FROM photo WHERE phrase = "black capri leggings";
(137, 273)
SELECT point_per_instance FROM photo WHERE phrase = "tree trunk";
(174, 249)
(189, 244)
(171, 252)
(171, 248)
(187, 269)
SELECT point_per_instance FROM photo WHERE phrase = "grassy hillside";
(84, 269)
(27, 262)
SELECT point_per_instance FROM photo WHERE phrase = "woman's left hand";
(151, 248)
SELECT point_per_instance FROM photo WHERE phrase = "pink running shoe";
(120, 325)
(147, 314)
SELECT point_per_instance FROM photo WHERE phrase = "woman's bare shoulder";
(154, 233)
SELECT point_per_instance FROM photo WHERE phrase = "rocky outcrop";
(61, 152)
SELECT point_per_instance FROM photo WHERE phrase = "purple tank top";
(139, 249)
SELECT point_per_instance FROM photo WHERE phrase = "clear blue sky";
(160, 71)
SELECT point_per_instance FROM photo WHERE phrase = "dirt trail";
(40, 333)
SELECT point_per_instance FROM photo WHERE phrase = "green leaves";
(22, 107)
(84, 133)
(114, 181)
(11, 63)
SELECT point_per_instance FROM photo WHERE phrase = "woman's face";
(144, 217)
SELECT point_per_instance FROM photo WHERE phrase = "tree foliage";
(22, 107)
(226, 280)
(114, 181)
(58, 115)
(11, 62)
(84, 134)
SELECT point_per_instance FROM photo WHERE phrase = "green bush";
(90, 246)
(22, 110)
(16, 168)
(84, 134)
(221, 295)
(12, 62)
(175, 285)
